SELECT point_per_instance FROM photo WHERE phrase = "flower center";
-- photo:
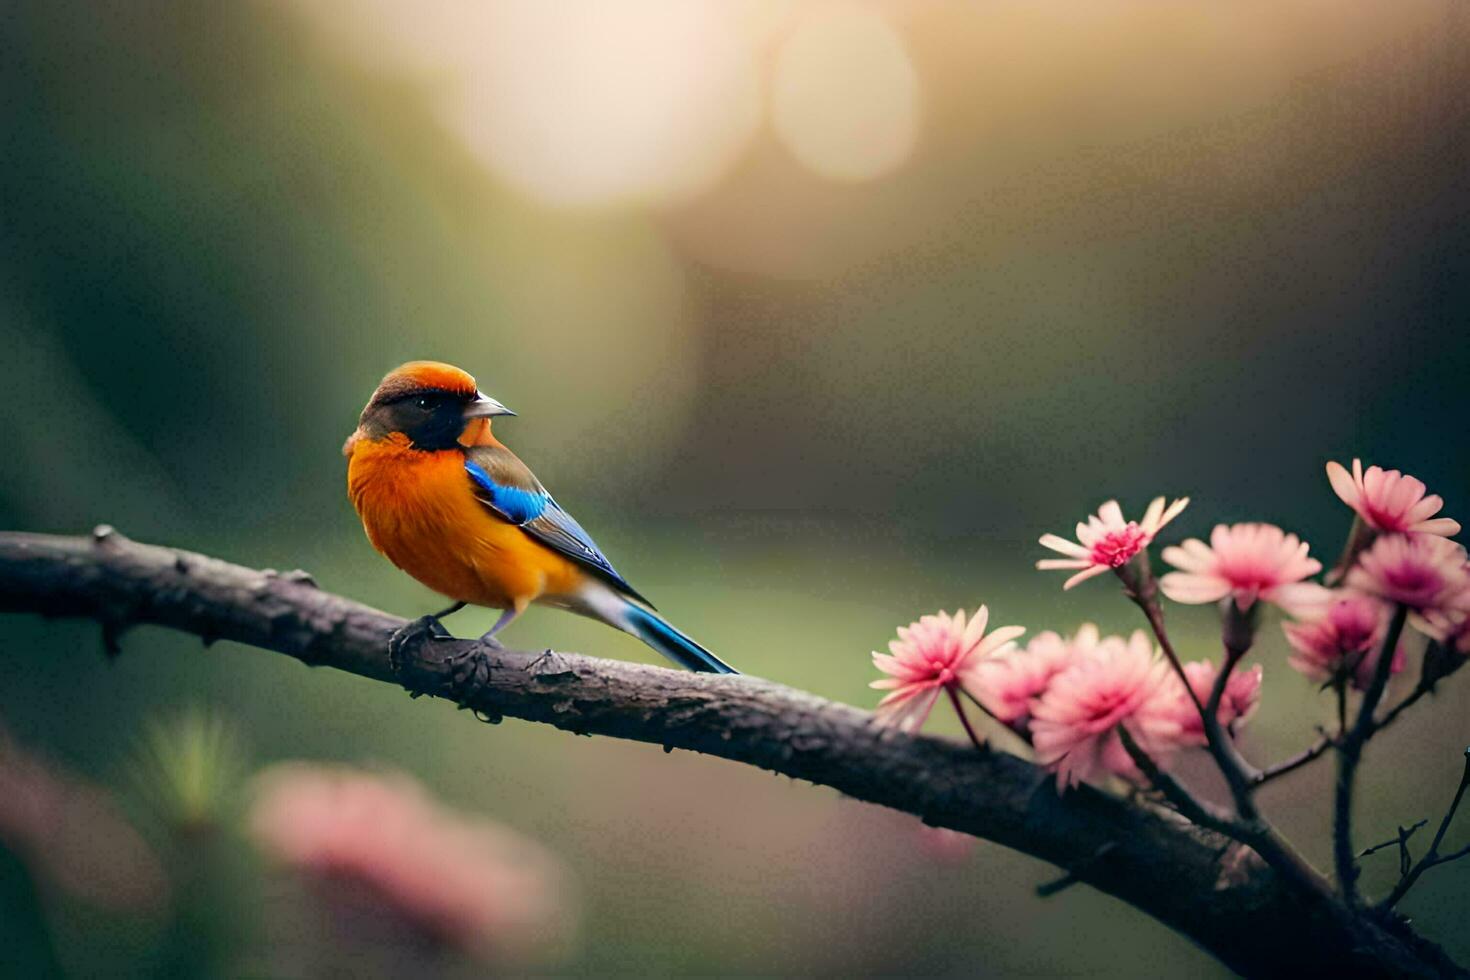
(1382, 519)
(1353, 641)
(1116, 547)
(1414, 579)
(943, 672)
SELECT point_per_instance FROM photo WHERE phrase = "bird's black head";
(431, 404)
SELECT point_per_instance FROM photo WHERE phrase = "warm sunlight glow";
(585, 102)
(845, 96)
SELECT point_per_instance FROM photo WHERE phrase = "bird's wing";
(508, 487)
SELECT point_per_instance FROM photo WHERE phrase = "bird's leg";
(450, 610)
(469, 671)
(424, 628)
(505, 620)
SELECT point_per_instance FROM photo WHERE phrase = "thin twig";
(1325, 741)
(1432, 857)
(1403, 835)
(1406, 857)
(1154, 613)
(1359, 536)
(1350, 753)
(1408, 702)
(1256, 834)
(1193, 808)
(1295, 762)
(1238, 773)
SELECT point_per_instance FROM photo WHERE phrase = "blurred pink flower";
(1248, 561)
(1073, 725)
(1387, 500)
(1107, 541)
(1344, 636)
(1421, 571)
(1006, 685)
(73, 837)
(1176, 708)
(469, 883)
(1451, 627)
(933, 654)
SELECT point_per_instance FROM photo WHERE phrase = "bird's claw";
(469, 678)
(410, 635)
(468, 672)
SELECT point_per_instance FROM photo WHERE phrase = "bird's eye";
(424, 402)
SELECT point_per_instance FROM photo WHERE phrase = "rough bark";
(1193, 880)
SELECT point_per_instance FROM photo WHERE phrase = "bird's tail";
(658, 633)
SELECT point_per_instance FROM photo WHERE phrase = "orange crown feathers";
(426, 375)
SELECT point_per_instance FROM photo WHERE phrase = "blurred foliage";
(188, 770)
(1140, 248)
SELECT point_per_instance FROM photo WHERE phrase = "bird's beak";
(485, 407)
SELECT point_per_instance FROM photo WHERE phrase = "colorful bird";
(444, 500)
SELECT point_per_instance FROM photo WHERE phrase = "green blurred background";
(817, 316)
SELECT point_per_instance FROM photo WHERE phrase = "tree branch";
(1255, 923)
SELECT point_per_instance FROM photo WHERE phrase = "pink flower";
(1420, 571)
(1342, 639)
(1177, 710)
(466, 882)
(1006, 685)
(1107, 541)
(1248, 561)
(936, 653)
(1451, 627)
(1241, 698)
(73, 837)
(1387, 500)
(1074, 724)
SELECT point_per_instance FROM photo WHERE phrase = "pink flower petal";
(1194, 589)
(1343, 484)
(1084, 575)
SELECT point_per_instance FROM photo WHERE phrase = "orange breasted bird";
(447, 502)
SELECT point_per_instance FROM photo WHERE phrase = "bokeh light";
(580, 103)
(591, 102)
(845, 95)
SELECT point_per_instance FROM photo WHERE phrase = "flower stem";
(1146, 599)
(1359, 536)
(1019, 730)
(1350, 753)
(1197, 810)
(1238, 773)
(1255, 834)
(959, 709)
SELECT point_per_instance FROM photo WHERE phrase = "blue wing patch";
(540, 516)
(519, 506)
